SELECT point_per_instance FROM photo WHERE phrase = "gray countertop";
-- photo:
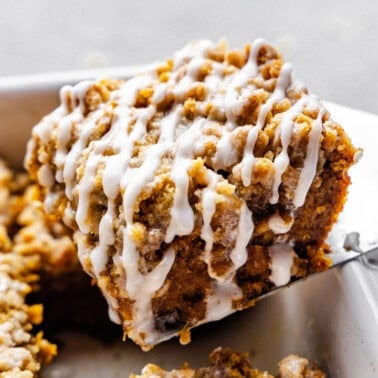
(332, 44)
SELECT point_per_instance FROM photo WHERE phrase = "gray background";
(332, 44)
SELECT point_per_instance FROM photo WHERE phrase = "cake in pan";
(40, 277)
(22, 349)
(194, 187)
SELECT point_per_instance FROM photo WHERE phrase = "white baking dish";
(331, 318)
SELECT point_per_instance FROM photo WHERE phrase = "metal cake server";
(352, 252)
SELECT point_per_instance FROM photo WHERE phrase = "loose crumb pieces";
(225, 363)
(30, 242)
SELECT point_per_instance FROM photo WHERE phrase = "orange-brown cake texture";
(193, 187)
(225, 363)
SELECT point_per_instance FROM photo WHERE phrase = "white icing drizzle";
(191, 51)
(124, 179)
(182, 216)
(279, 93)
(74, 97)
(45, 176)
(141, 287)
(225, 155)
(239, 254)
(237, 93)
(281, 161)
(282, 257)
(134, 179)
(208, 210)
(74, 154)
(278, 225)
(235, 97)
(220, 302)
(309, 166)
(84, 188)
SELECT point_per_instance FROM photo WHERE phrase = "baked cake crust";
(194, 187)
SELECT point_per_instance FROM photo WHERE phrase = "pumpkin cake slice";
(195, 186)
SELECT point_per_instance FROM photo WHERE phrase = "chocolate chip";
(169, 322)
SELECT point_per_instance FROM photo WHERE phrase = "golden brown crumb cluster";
(30, 242)
(227, 364)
